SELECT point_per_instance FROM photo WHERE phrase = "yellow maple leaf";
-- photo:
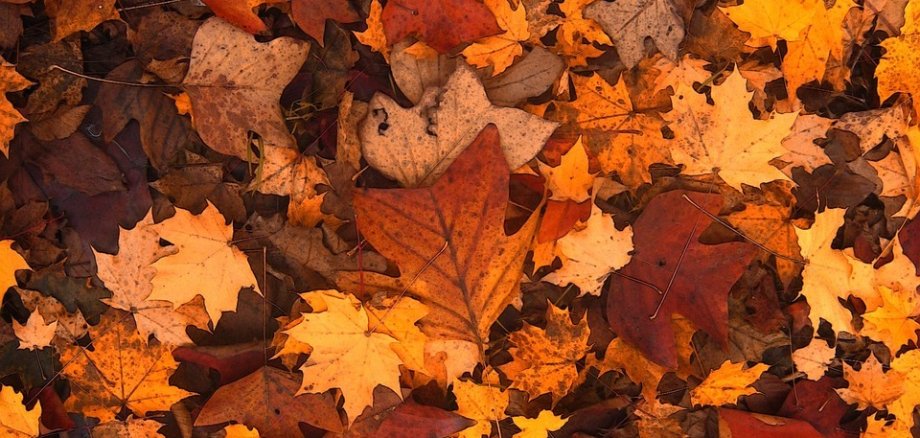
(346, 353)
(540, 427)
(623, 140)
(544, 359)
(287, 172)
(129, 275)
(726, 384)
(10, 80)
(908, 365)
(10, 262)
(871, 386)
(482, 403)
(499, 51)
(374, 37)
(205, 263)
(769, 20)
(897, 70)
(35, 334)
(571, 179)
(122, 371)
(892, 323)
(397, 317)
(15, 420)
(724, 137)
(576, 33)
(808, 57)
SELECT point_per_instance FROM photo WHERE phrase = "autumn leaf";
(813, 359)
(347, 353)
(725, 384)
(577, 32)
(238, 13)
(311, 15)
(415, 146)
(893, 322)
(541, 426)
(483, 403)
(10, 262)
(205, 263)
(500, 51)
(468, 20)
(15, 420)
(73, 16)
(235, 82)
(35, 334)
(871, 386)
(895, 70)
(129, 428)
(450, 243)
(10, 81)
(629, 23)
(121, 371)
(544, 360)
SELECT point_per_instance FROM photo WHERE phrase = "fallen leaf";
(10, 262)
(813, 359)
(499, 51)
(895, 72)
(871, 386)
(70, 17)
(542, 426)
(893, 322)
(15, 420)
(724, 385)
(10, 80)
(484, 404)
(35, 334)
(468, 20)
(630, 22)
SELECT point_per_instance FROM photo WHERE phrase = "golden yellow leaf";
(897, 69)
(10, 262)
(10, 80)
(892, 323)
(814, 358)
(655, 420)
(287, 172)
(15, 420)
(540, 427)
(589, 255)
(908, 365)
(73, 16)
(726, 384)
(122, 371)
(571, 179)
(576, 33)
(499, 51)
(35, 334)
(623, 140)
(622, 356)
(725, 138)
(346, 353)
(237, 91)
(205, 263)
(769, 20)
(240, 431)
(871, 386)
(483, 403)
(544, 359)
(808, 57)
(129, 275)
(397, 317)
(374, 36)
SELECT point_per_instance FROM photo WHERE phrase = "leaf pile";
(433, 218)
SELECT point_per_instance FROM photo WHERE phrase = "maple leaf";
(571, 179)
(468, 20)
(397, 317)
(542, 426)
(577, 32)
(238, 13)
(10, 262)
(823, 41)
(311, 15)
(265, 400)
(768, 21)
(623, 140)
(450, 244)
(544, 359)
(482, 403)
(724, 138)
(374, 37)
(235, 82)
(70, 324)
(893, 322)
(73, 16)
(896, 70)
(814, 358)
(630, 22)
(415, 146)
(122, 371)
(347, 353)
(287, 172)
(129, 275)
(35, 334)
(10, 80)
(622, 356)
(908, 365)
(205, 263)
(590, 254)
(15, 420)
(871, 386)
(499, 51)
(725, 384)
(690, 278)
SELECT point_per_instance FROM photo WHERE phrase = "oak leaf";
(35, 334)
(871, 386)
(15, 420)
(468, 20)
(542, 426)
(630, 22)
(205, 263)
(10, 80)
(121, 371)
(726, 384)
(671, 272)
(235, 82)
(544, 359)
(725, 138)
(450, 244)
(415, 146)
(347, 351)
